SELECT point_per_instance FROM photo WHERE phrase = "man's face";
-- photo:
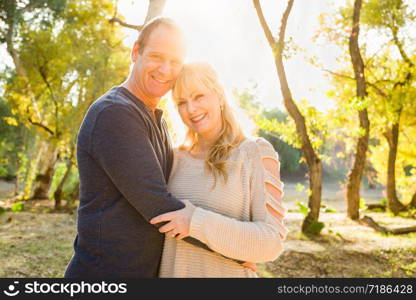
(157, 66)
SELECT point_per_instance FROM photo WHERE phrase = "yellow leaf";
(11, 121)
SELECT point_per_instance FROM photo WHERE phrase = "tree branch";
(379, 91)
(283, 25)
(40, 125)
(124, 24)
(373, 224)
(264, 25)
(395, 32)
(55, 102)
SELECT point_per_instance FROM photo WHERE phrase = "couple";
(211, 208)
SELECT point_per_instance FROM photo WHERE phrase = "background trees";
(65, 54)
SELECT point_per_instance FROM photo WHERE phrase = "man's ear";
(134, 52)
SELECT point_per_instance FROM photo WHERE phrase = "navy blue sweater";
(124, 160)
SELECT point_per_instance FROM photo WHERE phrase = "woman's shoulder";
(254, 145)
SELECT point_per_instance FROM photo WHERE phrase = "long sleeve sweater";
(124, 160)
(241, 218)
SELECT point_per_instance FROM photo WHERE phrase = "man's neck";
(132, 88)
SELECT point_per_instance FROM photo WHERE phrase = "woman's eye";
(198, 97)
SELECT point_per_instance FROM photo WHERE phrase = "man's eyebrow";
(155, 53)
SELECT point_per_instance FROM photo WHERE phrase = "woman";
(232, 184)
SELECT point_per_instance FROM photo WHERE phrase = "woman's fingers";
(171, 234)
(166, 228)
(180, 236)
(162, 218)
(251, 266)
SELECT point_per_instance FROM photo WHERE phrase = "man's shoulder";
(112, 108)
(113, 99)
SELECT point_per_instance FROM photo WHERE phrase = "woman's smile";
(198, 118)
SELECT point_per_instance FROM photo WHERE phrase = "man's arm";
(121, 145)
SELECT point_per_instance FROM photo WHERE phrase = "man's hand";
(179, 221)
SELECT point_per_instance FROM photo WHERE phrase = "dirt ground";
(40, 244)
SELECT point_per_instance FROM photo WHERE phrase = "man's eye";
(155, 57)
(181, 103)
(176, 63)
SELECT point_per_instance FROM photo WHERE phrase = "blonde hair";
(196, 76)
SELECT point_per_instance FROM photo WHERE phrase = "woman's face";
(200, 110)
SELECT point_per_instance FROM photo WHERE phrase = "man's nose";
(165, 68)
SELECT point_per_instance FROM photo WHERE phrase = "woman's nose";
(191, 107)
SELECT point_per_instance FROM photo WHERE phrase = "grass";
(35, 245)
(40, 245)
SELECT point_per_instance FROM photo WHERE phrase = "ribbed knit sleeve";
(260, 239)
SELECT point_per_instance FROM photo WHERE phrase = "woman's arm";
(259, 240)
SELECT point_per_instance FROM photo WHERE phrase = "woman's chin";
(200, 131)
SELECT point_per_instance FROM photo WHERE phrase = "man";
(124, 158)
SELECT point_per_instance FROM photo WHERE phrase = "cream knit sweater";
(241, 219)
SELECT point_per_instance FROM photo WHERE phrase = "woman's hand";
(250, 265)
(179, 221)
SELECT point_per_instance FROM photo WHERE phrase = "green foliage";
(60, 169)
(71, 184)
(302, 208)
(316, 227)
(388, 53)
(288, 155)
(383, 14)
(71, 55)
(362, 205)
(11, 141)
(286, 129)
(300, 187)
(17, 207)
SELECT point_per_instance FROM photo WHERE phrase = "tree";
(355, 175)
(387, 74)
(312, 159)
(70, 61)
(154, 10)
(396, 15)
(289, 156)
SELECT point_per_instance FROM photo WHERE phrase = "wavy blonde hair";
(198, 76)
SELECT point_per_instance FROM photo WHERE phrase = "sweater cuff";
(196, 229)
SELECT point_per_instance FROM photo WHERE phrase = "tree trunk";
(356, 173)
(16, 185)
(392, 137)
(373, 224)
(58, 192)
(313, 161)
(155, 9)
(43, 178)
(413, 201)
(73, 197)
(314, 202)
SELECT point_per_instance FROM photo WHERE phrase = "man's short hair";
(151, 26)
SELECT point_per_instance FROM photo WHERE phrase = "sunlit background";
(229, 36)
